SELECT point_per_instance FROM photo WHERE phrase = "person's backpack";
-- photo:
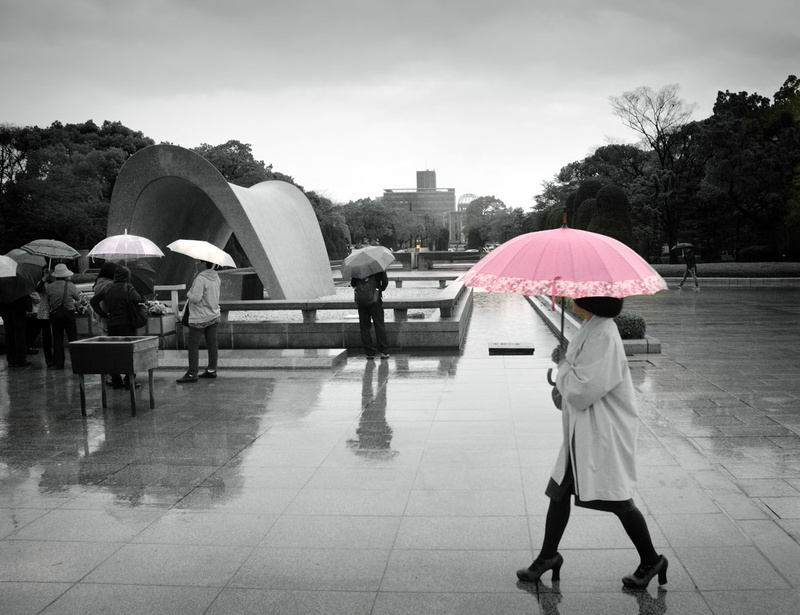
(366, 291)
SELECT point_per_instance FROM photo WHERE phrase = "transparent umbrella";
(125, 247)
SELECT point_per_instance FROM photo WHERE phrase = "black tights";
(632, 521)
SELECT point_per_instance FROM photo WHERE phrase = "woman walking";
(202, 301)
(596, 463)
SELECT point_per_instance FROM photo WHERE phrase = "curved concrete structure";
(166, 192)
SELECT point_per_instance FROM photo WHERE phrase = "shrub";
(631, 326)
(755, 254)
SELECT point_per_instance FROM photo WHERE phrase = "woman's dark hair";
(107, 270)
(209, 265)
(607, 307)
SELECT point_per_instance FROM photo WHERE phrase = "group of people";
(49, 311)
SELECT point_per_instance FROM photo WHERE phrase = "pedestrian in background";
(691, 269)
(62, 296)
(202, 301)
(369, 299)
(597, 461)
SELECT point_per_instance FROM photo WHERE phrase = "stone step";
(243, 359)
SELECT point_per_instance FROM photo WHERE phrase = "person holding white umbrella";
(202, 302)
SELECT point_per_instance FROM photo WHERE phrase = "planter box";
(114, 354)
(162, 324)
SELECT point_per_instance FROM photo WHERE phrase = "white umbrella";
(203, 251)
(124, 247)
(8, 267)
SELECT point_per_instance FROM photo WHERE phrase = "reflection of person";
(202, 301)
(374, 435)
(691, 269)
(596, 463)
(373, 314)
(62, 293)
(112, 301)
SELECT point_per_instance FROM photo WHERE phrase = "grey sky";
(353, 96)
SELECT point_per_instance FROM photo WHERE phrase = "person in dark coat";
(373, 314)
(112, 302)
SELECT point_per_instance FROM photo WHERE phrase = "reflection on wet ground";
(412, 485)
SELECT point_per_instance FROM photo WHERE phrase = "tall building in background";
(425, 199)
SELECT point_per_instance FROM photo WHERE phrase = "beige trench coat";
(600, 420)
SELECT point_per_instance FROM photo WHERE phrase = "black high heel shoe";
(642, 576)
(539, 566)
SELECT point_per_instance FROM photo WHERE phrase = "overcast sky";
(353, 96)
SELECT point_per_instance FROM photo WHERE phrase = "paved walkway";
(412, 485)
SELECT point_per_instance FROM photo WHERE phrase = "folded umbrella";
(366, 261)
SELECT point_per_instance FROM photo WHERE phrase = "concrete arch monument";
(166, 192)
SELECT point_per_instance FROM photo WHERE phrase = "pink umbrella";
(565, 262)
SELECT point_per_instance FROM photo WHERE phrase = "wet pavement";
(412, 485)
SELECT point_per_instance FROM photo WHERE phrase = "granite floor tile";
(182, 565)
(124, 599)
(312, 569)
(292, 602)
(28, 598)
(183, 527)
(38, 561)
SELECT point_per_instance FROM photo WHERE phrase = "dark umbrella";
(23, 283)
(681, 246)
(143, 277)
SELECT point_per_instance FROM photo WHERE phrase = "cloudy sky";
(354, 96)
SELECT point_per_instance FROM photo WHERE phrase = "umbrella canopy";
(143, 277)
(366, 261)
(51, 248)
(23, 257)
(22, 283)
(565, 262)
(125, 247)
(681, 246)
(203, 251)
(8, 267)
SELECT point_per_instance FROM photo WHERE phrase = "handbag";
(137, 312)
(185, 317)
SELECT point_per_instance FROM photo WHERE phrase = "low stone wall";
(437, 332)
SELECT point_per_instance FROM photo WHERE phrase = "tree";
(612, 215)
(57, 181)
(659, 117)
(750, 178)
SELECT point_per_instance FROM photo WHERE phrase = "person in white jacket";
(202, 301)
(596, 464)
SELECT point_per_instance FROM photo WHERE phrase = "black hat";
(607, 307)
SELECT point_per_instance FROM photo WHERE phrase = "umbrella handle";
(549, 377)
